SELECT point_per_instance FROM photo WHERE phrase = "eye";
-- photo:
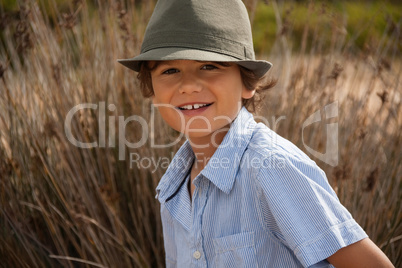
(170, 71)
(209, 67)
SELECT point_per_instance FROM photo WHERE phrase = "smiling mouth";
(194, 106)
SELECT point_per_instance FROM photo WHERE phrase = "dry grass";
(66, 206)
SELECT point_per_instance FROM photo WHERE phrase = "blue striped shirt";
(259, 202)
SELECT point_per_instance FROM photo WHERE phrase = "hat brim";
(259, 67)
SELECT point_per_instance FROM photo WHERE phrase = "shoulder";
(272, 147)
(277, 160)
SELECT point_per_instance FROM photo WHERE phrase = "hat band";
(199, 41)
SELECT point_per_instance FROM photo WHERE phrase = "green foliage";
(363, 23)
(264, 28)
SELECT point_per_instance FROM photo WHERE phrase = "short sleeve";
(303, 211)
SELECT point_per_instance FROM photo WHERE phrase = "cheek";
(165, 108)
(172, 117)
(160, 96)
(157, 90)
(155, 99)
(163, 91)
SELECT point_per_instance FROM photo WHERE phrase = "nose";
(190, 84)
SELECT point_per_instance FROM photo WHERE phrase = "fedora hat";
(203, 30)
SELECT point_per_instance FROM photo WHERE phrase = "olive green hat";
(203, 30)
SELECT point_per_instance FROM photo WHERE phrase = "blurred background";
(65, 206)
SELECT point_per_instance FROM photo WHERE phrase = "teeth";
(192, 107)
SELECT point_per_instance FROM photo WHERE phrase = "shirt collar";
(221, 169)
(176, 172)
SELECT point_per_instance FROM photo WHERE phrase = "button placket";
(198, 202)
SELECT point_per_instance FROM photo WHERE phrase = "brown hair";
(249, 79)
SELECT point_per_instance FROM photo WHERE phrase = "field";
(64, 205)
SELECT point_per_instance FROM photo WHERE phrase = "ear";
(247, 94)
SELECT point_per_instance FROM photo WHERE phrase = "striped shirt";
(259, 202)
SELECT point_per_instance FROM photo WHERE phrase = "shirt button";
(197, 254)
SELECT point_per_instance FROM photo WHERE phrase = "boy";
(243, 196)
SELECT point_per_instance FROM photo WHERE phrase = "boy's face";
(198, 98)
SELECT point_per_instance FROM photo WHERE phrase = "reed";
(61, 205)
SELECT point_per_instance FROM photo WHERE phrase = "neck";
(204, 148)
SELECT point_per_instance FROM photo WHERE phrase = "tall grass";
(66, 206)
